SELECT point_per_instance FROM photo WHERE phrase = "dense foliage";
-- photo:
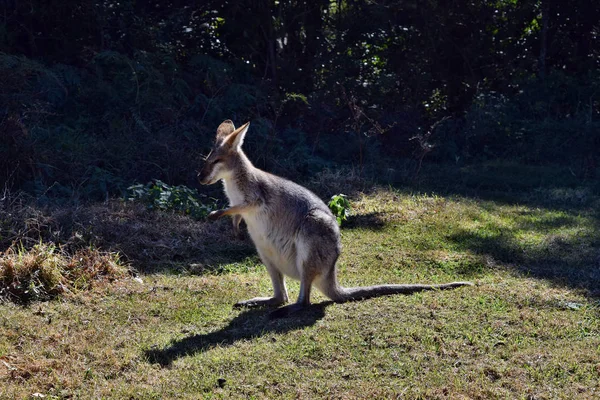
(98, 95)
(181, 199)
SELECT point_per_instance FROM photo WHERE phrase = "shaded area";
(505, 182)
(95, 100)
(374, 221)
(249, 324)
(150, 240)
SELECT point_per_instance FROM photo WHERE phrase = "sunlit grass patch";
(453, 234)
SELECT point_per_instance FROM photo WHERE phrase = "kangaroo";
(294, 232)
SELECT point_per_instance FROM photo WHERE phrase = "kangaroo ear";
(225, 129)
(236, 139)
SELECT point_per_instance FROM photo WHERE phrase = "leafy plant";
(158, 195)
(340, 207)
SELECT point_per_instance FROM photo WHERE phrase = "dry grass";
(145, 238)
(45, 271)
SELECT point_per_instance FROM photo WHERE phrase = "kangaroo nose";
(201, 178)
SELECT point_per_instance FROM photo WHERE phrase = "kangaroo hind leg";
(302, 303)
(237, 233)
(280, 295)
(310, 265)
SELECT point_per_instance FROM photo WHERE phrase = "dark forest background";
(98, 95)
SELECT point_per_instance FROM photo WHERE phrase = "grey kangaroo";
(293, 230)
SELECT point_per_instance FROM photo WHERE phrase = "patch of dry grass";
(44, 271)
(145, 238)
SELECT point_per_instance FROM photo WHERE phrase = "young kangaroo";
(294, 232)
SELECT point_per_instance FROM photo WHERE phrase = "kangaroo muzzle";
(203, 177)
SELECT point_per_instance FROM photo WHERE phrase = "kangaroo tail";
(342, 294)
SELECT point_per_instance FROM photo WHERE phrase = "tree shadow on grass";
(563, 261)
(249, 324)
(563, 250)
(507, 183)
(554, 228)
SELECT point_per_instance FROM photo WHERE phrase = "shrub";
(181, 199)
(551, 120)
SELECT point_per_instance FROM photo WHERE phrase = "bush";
(554, 120)
(181, 199)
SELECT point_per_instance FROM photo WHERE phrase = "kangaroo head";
(224, 156)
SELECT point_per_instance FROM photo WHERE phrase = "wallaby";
(293, 230)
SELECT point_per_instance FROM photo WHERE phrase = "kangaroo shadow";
(250, 324)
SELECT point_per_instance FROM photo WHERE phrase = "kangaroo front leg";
(239, 209)
(280, 295)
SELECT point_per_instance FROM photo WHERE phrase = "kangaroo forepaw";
(215, 215)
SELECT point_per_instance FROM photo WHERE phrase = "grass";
(529, 329)
(45, 271)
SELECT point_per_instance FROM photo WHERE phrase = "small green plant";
(158, 195)
(340, 207)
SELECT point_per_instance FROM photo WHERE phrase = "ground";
(528, 329)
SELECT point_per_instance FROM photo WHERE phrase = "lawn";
(528, 329)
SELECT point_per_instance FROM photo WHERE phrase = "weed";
(340, 207)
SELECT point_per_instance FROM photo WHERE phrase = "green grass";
(530, 327)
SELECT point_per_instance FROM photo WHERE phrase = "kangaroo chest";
(233, 193)
(280, 254)
(262, 229)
